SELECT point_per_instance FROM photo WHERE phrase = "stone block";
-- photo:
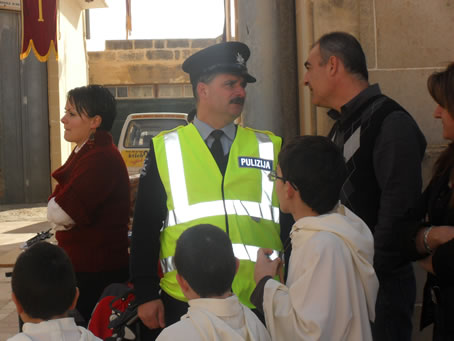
(159, 43)
(177, 43)
(367, 31)
(186, 53)
(202, 43)
(130, 55)
(408, 88)
(336, 15)
(96, 57)
(143, 44)
(177, 54)
(118, 44)
(156, 74)
(414, 33)
(159, 54)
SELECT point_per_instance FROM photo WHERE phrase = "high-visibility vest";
(197, 193)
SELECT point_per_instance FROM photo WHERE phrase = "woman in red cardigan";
(90, 204)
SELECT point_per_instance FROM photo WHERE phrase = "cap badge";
(239, 59)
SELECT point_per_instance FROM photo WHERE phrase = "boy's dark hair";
(43, 281)
(316, 166)
(95, 100)
(204, 258)
(348, 49)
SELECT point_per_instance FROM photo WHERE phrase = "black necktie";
(217, 151)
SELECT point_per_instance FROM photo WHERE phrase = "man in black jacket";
(383, 148)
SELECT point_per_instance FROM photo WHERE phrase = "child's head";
(43, 282)
(204, 258)
(316, 167)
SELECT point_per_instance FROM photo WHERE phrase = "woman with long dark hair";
(432, 236)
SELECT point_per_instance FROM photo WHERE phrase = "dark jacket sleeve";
(258, 293)
(149, 215)
(398, 153)
(442, 262)
(410, 224)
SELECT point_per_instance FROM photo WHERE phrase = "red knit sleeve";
(92, 180)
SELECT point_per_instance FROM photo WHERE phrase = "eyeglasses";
(272, 176)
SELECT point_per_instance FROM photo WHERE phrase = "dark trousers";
(91, 286)
(394, 306)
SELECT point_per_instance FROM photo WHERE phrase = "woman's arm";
(56, 215)
(430, 238)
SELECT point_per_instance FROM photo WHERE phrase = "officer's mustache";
(237, 100)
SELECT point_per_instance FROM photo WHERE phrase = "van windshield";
(140, 132)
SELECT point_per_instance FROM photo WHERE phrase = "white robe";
(331, 286)
(210, 319)
(54, 330)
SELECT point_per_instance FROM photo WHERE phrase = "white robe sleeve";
(316, 304)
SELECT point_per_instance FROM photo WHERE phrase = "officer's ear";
(202, 89)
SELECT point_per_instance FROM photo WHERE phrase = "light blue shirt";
(205, 131)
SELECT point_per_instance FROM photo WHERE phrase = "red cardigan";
(93, 189)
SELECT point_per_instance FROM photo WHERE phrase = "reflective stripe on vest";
(241, 251)
(183, 212)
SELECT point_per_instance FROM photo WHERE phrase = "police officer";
(208, 172)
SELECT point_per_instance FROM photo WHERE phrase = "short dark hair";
(43, 281)
(95, 100)
(204, 258)
(441, 88)
(204, 78)
(348, 49)
(316, 166)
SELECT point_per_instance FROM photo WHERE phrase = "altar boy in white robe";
(331, 287)
(206, 267)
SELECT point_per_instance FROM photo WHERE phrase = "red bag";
(115, 315)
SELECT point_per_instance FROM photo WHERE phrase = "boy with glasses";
(331, 285)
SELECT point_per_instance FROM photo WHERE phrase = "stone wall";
(142, 62)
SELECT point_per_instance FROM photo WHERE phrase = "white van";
(137, 132)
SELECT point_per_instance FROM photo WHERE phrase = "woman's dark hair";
(441, 88)
(316, 166)
(43, 281)
(95, 100)
(204, 258)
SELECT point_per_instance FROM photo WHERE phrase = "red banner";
(39, 28)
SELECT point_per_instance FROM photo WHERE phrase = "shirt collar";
(205, 129)
(350, 107)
